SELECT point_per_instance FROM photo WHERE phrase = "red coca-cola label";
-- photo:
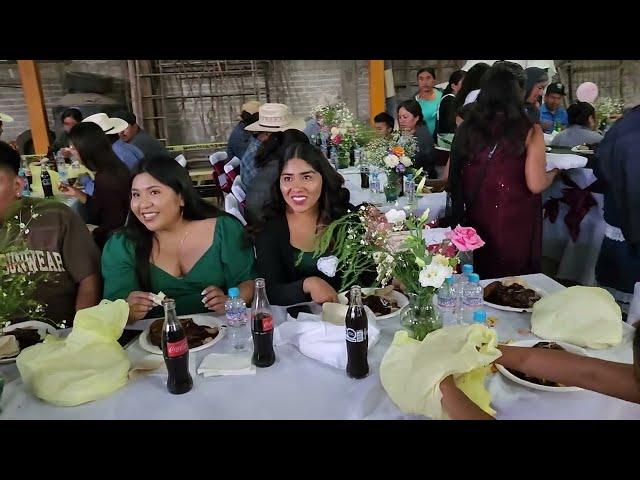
(267, 323)
(177, 349)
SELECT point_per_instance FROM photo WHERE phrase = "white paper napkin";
(565, 161)
(219, 364)
(320, 340)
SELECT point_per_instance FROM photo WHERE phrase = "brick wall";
(52, 78)
(301, 84)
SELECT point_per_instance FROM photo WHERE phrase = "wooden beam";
(376, 88)
(32, 89)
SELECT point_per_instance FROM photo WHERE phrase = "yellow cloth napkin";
(584, 316)
(411, 371)
(87, 365)
(8, 346)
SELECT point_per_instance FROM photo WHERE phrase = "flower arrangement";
(389, 152)
(17, 290)
(340, 127)
(393, 246)
(607, 107)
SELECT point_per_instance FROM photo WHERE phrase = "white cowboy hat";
(275, 117)
(5, 118)
(252, 106)
(107, 124)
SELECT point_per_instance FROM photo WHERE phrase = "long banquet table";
(298, 387)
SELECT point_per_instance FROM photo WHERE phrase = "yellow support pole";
(33, 97)
(376, 88)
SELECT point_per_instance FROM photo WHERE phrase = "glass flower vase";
(421, 317)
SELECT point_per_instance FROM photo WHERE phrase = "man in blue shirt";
(552, 112)
(240, 138)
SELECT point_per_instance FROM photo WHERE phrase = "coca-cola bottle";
(356, 325)
(175, 350)
(262, 327)
(45, 180)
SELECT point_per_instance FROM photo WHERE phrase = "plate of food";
(584, 148)
(511, 294)
(384, 302)
(202, 332)
(537, 383)
(26, 334)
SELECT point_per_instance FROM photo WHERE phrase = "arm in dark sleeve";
(272, 267)
(454, 182)
(447, 116)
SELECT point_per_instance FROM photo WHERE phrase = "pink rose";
(336, 139)
(465, 238)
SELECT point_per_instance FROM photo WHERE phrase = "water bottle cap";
(467, 268)
(234, 292)
(480, 316)
(450, 280)
(474, 277)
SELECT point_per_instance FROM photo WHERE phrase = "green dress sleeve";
(236, 252)
(119, 268)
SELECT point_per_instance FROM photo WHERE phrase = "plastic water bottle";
(26, 192)
(472, 298)
(61, 166)
(409, 188)
(374, 181)
(480, 316)
(236, 311)
(447, 303)
(333, 158)
(357, 155)
(467, 269)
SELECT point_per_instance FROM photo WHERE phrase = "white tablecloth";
(576, 260)
(435, 202)
(297, 387)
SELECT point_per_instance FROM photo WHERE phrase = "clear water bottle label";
(177, 349)
(357, 336)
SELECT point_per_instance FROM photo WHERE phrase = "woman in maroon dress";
(497, 174)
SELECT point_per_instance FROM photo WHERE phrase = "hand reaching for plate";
(319, 290)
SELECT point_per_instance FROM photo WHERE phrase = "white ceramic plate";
(42, 327)
(540, 292)
(199, 320)
(530, 343)
(400, 299)
(577, 150)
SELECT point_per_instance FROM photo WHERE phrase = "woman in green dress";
(176, 243)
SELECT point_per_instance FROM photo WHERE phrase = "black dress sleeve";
(277, 268)
(447, 116)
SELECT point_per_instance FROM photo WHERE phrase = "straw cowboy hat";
(107, 124)
(275, 117)
(5, 118)
(252, 106)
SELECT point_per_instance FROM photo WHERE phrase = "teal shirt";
(226, 264)
(430, 109)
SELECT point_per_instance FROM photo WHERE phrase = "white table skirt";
(297, 387)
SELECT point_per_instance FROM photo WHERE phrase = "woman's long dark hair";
(454, 79)
(96, 152)
(274, 146)
(334, 198)
(170, 173)
(471, 82)
(498, 114)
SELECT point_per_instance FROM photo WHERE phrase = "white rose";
(342, 131)
(395, 216)
(434, 275)
(328, 265)
(406, 161)
(334, 131)
(348, 124)
(391, 161)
